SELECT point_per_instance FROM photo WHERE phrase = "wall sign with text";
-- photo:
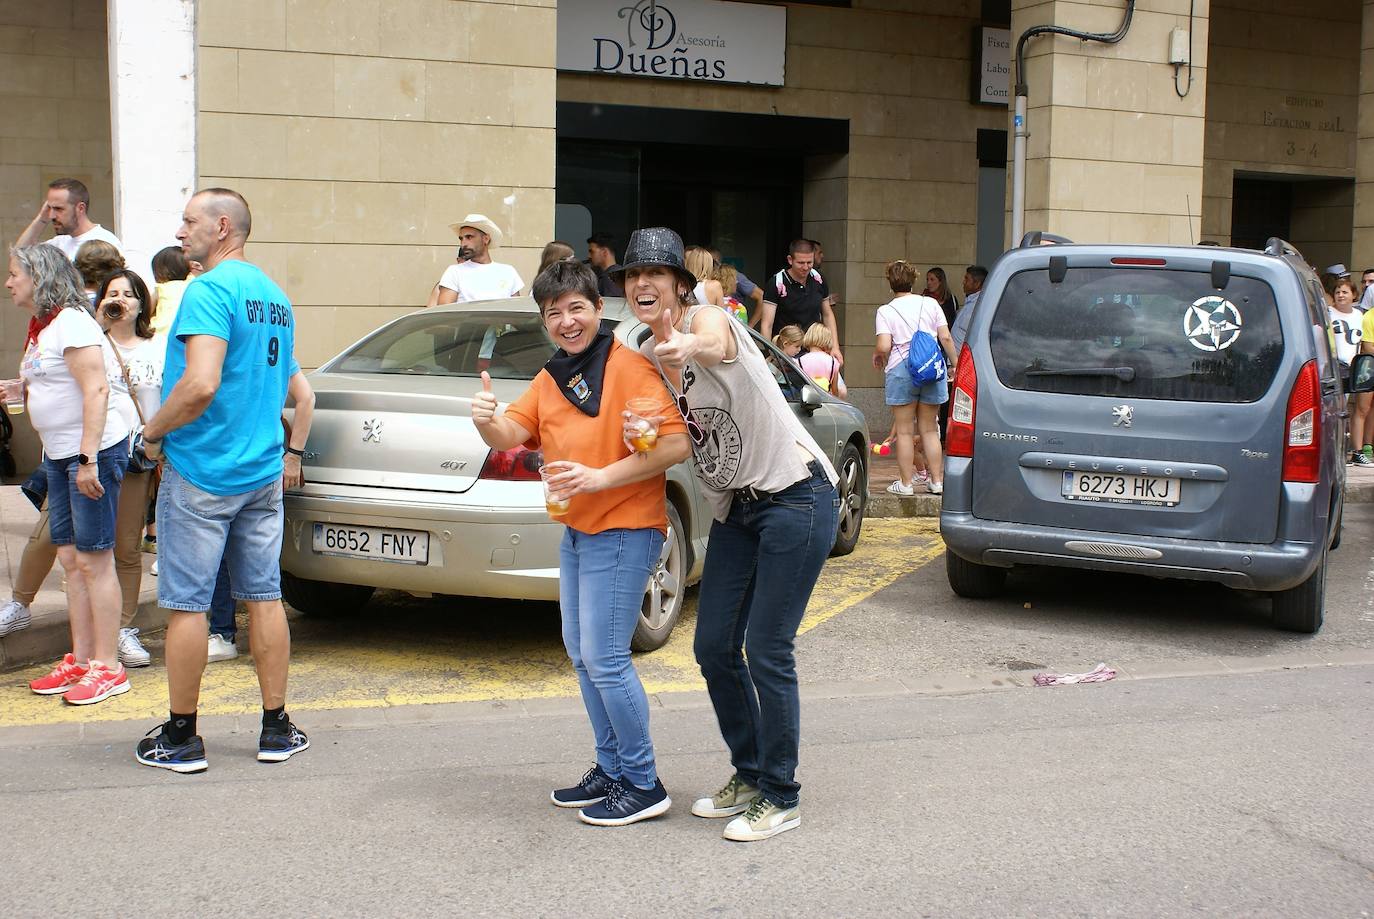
(708, 40)
(992, 57)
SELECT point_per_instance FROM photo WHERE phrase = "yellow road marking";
(377, 664)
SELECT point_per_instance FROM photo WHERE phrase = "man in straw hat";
(477, 277)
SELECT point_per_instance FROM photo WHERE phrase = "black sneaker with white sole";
(627, 804)
(591, 790)
(161, 753)
(279, 746)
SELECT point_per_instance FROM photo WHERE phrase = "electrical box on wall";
(1178, 46)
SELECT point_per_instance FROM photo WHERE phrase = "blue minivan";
(1173, 411)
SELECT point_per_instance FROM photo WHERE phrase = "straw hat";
(479, 222)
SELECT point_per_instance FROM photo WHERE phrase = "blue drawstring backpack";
(924, 359)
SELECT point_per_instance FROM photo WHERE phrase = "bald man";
(230, 364)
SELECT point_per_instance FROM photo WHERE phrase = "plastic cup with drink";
(556, 507)
(641, 424)
(13, 393)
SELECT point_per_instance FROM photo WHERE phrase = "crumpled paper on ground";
(1099, 674)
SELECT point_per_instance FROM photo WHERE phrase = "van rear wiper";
(1124, 374)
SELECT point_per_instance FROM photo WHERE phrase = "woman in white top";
(123, 312)
(707, 290)
(897, 324)
(85, 446)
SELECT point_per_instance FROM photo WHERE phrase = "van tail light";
(1302, 433)
(963, 406)
(518, 465)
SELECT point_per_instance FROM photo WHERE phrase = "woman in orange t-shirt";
(616, 521)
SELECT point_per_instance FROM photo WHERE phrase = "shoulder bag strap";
(124, 368)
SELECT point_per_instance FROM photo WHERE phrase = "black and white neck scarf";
(580, 377)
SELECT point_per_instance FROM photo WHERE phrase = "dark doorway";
(1260, 208)
(722, 179)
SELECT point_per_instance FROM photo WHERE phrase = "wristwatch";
(84, 460)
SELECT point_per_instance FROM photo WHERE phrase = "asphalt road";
(1224, 772)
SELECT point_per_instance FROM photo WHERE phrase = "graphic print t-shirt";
(1347, 330)
(235, 446)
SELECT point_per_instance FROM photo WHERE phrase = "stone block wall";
(360, 129)
(1283, 101)
(55, 95)
(898, 71)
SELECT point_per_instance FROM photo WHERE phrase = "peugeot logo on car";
(372, 430)
(1122, 416)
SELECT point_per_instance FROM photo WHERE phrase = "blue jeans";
(222, 606)
(76, 519)
(761, 564)
(198, 532)
(601, 583)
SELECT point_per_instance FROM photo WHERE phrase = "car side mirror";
(811, 396)
(1362, 373)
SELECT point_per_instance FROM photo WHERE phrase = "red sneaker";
(99, 683)
(64, 676)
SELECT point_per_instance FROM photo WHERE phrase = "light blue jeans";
(601, 584)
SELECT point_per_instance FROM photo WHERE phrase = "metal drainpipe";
(1019, 127)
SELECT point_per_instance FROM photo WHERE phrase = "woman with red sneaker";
(66, 373)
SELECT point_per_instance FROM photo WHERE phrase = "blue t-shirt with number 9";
(235, 446)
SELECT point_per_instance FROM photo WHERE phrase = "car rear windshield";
(1148, 333)
(511, 346)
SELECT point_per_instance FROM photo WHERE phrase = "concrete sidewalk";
(48, 636)
(882, 471)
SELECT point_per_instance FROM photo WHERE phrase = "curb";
(49, 637)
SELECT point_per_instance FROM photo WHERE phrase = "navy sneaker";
(160, 752)
(591, 790)
(627, 804)
(279, 746)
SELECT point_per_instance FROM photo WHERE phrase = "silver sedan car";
(402, 493)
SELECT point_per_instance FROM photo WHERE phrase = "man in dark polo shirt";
(799, 296)
(601, 256)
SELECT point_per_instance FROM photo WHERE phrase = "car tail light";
(963, 405)
(518, 465)
(1302, 433)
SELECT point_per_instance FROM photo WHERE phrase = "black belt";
(751, 493)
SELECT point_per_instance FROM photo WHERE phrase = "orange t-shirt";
(564, 433)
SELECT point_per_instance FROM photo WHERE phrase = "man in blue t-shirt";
(230, 362)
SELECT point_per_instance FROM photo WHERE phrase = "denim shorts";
(195, 529)
(899, 390)
(75, 518)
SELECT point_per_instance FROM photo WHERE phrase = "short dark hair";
(977, 272)
(170, 265)
(800, 245)
(604, 240)
(143, 326)
(816, 244)
(1367, 271)
(561, 278)
(77, 192)
(96, 260)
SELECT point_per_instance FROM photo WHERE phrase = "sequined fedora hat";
(655, 246)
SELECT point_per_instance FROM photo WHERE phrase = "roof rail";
(1276, 246)
(1041, 238)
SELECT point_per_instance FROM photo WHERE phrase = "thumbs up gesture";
(673, 348)
(484, 403)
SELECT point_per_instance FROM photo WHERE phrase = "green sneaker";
(733, 799)
(762, 820)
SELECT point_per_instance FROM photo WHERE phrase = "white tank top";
(749, 428)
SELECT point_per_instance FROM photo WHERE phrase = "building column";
(1114, 153)
(152, 51)
(1362, 242)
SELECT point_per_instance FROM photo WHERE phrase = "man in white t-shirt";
(65, 210)
(477, 277)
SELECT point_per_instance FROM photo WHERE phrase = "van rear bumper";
(1274, 566)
